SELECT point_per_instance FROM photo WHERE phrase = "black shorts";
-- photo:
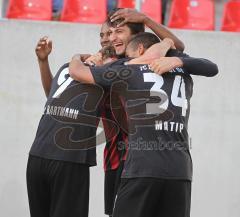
(57, 188)
(152, 197)
(111, 185)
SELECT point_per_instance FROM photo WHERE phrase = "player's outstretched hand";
(128, 15)
(43, 48)
(165, 64)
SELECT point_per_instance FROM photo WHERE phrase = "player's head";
(140, 43)
(120, 36)
(104, 35)
(108, 54)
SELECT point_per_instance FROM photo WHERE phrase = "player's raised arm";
(42, 50)
(133, 16)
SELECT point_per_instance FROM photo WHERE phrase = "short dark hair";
(135, 28)
(108, 52)
(147, 39)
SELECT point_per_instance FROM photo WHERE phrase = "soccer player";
(114, 152)
(158, 171)
(114, 155)
(65, 144)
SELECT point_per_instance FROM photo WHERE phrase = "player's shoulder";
(106, 66)
(115, 65)
(120, 62)
(62, 69)
(64, 66)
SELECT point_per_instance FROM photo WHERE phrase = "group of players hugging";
(140, 85)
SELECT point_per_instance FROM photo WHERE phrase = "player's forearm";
(162, 32)
(159, 50)
(199, 66)
(79, 72)
(46, 75)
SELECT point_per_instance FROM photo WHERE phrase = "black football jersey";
(67, 129)
(158, 111)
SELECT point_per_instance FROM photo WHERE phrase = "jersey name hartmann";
(61, 111)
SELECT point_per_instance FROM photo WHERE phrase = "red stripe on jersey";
(115, 148)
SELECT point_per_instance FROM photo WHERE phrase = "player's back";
(158, 109)
(67, 129)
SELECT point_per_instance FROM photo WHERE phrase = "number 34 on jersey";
(177, 96)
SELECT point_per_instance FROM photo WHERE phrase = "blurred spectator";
(111, 4)
(57, 8)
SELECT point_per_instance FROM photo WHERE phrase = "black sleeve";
(199, 66)
(195, 66)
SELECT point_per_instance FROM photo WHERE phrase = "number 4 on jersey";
(179, 84)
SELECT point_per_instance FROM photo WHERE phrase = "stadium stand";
(183, 14)
(231, 17)
(30, 9)
(152, 8)
(84, 11)
(192, 14)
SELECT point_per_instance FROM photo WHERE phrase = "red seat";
(84, 11)
(231, 17)
(192, 14)
(126, 3)
(30, 9)
(152, 8)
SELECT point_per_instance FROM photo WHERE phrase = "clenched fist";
(43, 48)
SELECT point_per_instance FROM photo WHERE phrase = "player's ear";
(141, 49)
